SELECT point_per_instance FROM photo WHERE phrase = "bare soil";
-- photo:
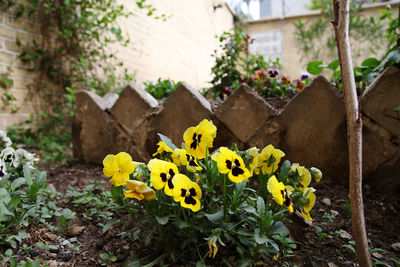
(326, 247)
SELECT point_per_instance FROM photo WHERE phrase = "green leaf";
(167, 141)
(285, 168)
(4, 196)
(260, 238)
(239, 188)
(314, 67)
(279, 228)
(393, 58)
(370, 62)
(260, 206)
(162, 220)
(17, 183)
(333, 65)
(215, 217)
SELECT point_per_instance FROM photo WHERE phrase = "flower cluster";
(267, 83)
(13, 159)
(228, 183)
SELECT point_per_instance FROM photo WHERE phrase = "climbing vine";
(366, 30)
(73, 54)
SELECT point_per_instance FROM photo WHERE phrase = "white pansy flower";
(2, 170)
(4, 140)
(21, 156)
(7, 155)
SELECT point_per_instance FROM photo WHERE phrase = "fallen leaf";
(76, 230)
(50, 237)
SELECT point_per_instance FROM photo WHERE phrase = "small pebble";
(73, 240)
(345, 235)
(331, 264)
(396, 246)
(376, 255)
(99, 245)
(34, 253)
(54, 250)
(326, 201)
(334, 213)
(126, 247)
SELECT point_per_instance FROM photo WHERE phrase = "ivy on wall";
(73, 54)
(365, 30)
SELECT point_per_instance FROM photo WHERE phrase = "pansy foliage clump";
(203, 204)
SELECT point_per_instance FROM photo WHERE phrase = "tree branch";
(354, 129)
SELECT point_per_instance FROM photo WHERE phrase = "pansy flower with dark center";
(161, 174)
(187, 192)
(231, 163)
(272, 72)
(280, 193)
(7, 155)
(269, 159)
(200, 138)
(185, 159)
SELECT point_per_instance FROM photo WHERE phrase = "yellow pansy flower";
(309, 195)
(200, 138)
(139, 190)
(279, 193)
(162, 147)
(185, 159)
(118, 167)
(269, 159)
(253, 163)
(161, 174)
(305, 179)
(187, 192)
(232, 164)
(316, 173)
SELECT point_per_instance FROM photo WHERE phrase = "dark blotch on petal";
(237, 163)
(170, 184)
(190, 200)
(163, 177)
(183, 192)
(171, 172)
(194, 143)
(237, 171)
(192, 192)
(228, 164)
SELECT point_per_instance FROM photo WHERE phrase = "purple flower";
(304, 75)
(227, 90)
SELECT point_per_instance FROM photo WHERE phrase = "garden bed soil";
(324, 243)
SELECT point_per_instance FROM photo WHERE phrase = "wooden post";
(341, 10)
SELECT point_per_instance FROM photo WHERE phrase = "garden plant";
(236, 65)
(194, 203)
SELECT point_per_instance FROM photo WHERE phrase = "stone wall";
(311, 129)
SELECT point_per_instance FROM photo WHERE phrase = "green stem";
(225, 202)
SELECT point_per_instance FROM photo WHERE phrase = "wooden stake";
(341, 9)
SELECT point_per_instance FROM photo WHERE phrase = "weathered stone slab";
(133, 106)
(377, 147)
(92, 138)
(311, 130)
(381, 98)
(386, 177)
(184, 108)
(110, 99)
(244, 113)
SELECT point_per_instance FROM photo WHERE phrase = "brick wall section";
(23, 30)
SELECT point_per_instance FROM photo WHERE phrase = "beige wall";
(25, 31)
(178, 48)
(292, 60)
